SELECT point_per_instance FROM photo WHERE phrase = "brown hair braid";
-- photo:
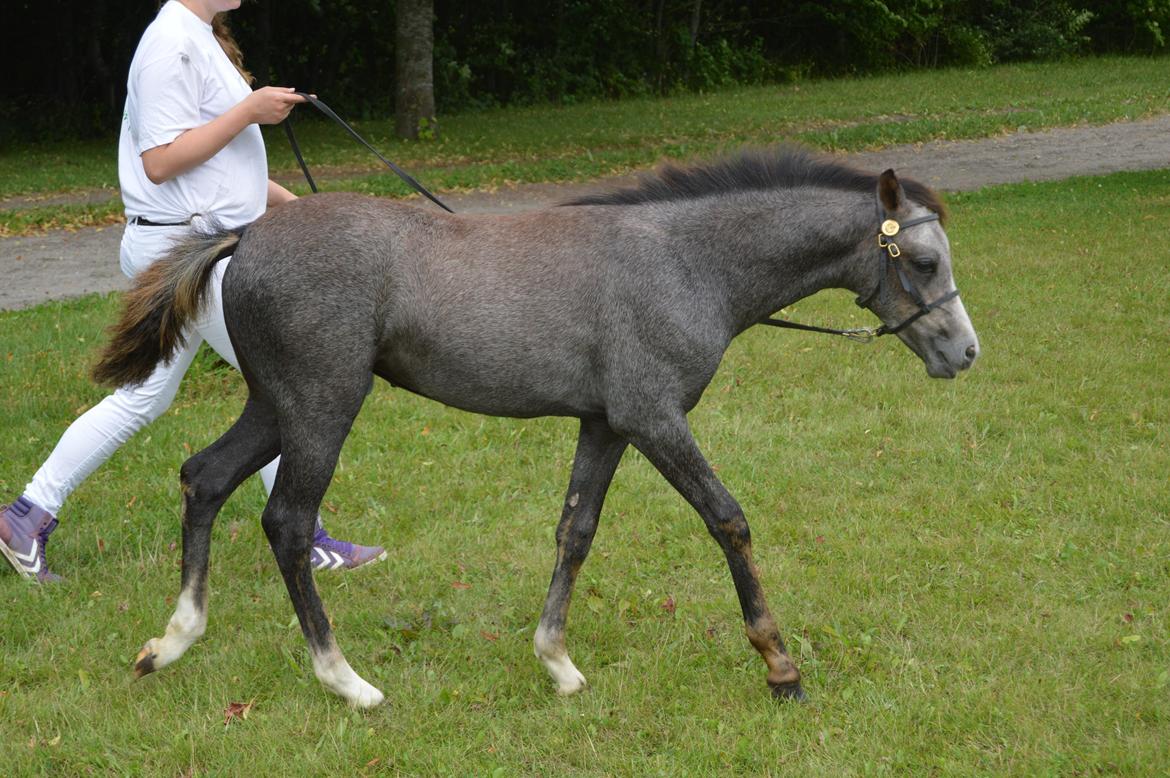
(228, 43)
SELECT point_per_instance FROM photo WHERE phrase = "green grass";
(488, 149)
(973, 575)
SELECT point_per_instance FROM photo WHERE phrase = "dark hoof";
(789, 692)
(144, 664)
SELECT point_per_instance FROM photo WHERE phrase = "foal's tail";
(156, 310)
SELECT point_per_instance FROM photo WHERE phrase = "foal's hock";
(615, 309)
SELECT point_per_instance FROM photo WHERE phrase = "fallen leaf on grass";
(668, 605)
(460, 585)
(492, 636)
(236, 710)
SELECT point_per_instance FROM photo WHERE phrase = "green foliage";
(517, 52)
(1130, 25)
(428, 129)
(1040, 30)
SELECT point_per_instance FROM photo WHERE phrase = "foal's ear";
(890, 192)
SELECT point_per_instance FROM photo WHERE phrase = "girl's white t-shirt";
(180, 78)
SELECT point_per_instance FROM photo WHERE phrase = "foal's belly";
(507, 379)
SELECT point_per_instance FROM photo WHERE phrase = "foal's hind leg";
(208, 479)
(312, 433)
(674, 452)
(599, 450)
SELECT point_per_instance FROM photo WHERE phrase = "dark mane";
(780, 168)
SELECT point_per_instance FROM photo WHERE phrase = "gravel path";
(63, 264)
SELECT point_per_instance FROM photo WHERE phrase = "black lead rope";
(890, 253)
(861, 335)
(320, 106)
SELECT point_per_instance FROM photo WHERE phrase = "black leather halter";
(890, 255)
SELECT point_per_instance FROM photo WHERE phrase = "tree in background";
(414, 43)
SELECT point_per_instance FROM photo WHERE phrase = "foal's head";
(915, 276)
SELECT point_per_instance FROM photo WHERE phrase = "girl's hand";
(271, 104)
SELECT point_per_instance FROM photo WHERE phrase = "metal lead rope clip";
(861, 335)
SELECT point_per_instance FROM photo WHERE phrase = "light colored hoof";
(367, 697)
(566, 675)
(550, 650)
(571, 685)
(337, 676)
(357, 692)
(187, 625)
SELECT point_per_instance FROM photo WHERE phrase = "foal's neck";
(768, 249)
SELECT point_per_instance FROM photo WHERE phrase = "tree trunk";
(414, 104)
(695, 9)
(660, 48)
(100, 72)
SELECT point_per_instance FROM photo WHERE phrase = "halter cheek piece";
(890, 255)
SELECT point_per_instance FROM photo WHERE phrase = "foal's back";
(508, 315)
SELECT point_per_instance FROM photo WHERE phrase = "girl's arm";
(269, 105)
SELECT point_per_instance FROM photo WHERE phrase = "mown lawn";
(973, 574)
(488, 149)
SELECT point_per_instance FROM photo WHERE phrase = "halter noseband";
(890, 254)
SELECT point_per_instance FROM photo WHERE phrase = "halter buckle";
(889, 245)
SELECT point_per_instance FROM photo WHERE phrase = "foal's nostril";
(971, 352)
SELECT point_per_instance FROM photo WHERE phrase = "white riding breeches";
(96, 435)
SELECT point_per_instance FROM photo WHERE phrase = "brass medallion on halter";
(890, 228)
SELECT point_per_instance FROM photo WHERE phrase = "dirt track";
(59, 265)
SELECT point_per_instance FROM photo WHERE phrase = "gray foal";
(615, 309)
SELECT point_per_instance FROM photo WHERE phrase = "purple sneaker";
(330, 554)
(24, 532)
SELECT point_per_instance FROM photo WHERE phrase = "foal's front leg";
(672, 449)
(599, 450)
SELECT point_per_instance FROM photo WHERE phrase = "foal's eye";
(925, 264)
